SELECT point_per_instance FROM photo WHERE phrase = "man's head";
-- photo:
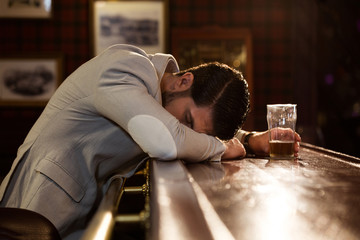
(214, 97)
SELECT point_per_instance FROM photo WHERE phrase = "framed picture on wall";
(26, 8)
(140, 23)
(232, 46)
(29, 80)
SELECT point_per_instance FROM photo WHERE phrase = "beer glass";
(281, 120)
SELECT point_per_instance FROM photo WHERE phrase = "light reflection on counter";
(277, 210)
(263, 199)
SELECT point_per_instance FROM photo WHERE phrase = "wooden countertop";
(316, 196)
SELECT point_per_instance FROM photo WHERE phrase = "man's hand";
(234, 149)
(259, 143)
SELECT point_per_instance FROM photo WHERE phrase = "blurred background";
(303, 51)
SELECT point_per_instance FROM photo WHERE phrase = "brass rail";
(103, 222)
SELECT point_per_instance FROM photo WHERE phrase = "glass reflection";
(47, 5)
(209, 172)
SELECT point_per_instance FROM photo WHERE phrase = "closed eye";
(189, 120)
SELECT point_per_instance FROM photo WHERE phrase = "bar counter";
(315, 196)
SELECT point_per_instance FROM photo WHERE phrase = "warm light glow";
(278, 211)
(217, 226)
(240, 59)
(104, 226)
(168, 219)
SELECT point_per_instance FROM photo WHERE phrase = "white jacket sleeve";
(123, 97)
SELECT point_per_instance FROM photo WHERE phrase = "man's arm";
(123, 97)
(234, 149)
(258, 142)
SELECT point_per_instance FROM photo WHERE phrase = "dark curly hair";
(226, 91)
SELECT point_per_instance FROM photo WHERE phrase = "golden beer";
(281, 149)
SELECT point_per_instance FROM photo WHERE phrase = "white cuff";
(239, 135)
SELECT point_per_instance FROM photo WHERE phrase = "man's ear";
(184, 82)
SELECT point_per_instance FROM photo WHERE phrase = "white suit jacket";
(105, 118)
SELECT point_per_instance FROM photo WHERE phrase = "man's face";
(186, 111)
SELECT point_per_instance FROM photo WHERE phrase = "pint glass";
(281, 120)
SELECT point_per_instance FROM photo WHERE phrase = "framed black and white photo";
(26, 8)
(29, 80)
(140, 23)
